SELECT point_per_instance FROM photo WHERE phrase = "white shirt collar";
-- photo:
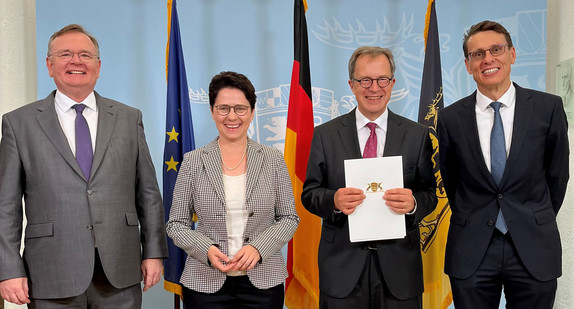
(381, 121)
(507, 99)
(65, 103)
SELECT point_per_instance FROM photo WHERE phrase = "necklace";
(238, 163)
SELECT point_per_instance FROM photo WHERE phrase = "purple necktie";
(84, 153)
(371, 145)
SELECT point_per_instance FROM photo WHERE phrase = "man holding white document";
(384, 273)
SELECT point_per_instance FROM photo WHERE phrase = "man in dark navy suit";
(504, 163)
(386, 273)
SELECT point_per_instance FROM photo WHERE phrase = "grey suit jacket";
(340, 261)
(119, 210)
(269, 201)
(530, 193)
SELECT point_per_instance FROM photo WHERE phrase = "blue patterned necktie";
(371, 145)
(498, 158)
(84, 153)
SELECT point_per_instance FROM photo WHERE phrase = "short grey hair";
(371, 51)
(73, 28)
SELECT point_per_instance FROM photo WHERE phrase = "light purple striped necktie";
(84, 153)
(371, 145)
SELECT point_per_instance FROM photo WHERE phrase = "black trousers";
(237, 292)
(371, 292)
(501, 268)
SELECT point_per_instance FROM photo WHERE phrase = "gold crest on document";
(373, 187)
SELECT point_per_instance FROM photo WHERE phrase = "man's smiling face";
(372, 101)
(75, 77)
(492, 73)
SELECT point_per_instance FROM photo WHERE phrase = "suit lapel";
(211, 158)
(522, 114)
(348, 134)
(394, 136)
(106, 123)
(254, 163)
(470, 130)
(48, 120)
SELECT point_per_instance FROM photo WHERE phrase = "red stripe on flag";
(301, 105)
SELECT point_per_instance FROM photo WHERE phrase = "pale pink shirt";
(363, 131)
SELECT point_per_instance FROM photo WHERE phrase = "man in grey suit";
(380, 274)
(94, 217)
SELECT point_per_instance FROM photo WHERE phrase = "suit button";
(246, 239)
(90, 192)
(90, 227)
(490, 222)
(500, 196)
(251, 214)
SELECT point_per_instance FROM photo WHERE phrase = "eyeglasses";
(495, 50)
(366, 82)
(240, 110)
(68, 55)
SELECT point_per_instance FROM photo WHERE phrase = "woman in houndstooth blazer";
(242, 195)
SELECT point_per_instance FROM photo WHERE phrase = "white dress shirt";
(485, 120)
(67, 117)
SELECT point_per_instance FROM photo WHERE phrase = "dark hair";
(482, 26)
(371, 51)
(73, 28)
(231, 80)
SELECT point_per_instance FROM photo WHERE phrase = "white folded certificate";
(373, 220)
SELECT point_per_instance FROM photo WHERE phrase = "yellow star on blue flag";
(171, 164)
(172, 135)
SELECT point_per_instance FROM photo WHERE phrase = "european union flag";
(178, 140)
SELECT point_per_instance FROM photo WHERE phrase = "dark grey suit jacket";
(531, 190)
(119, 209)
(340, 261)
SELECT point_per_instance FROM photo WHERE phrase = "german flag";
(434, 227)
(303, 282)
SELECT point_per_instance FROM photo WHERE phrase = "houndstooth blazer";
(272, 218)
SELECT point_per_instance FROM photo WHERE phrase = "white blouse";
(236, 214)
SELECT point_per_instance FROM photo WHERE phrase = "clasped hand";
(399, 200)
(245, 259)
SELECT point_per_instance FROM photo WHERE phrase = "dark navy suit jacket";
(340, 261)
(531, 190)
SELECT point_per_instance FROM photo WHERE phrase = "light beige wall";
(18, 73)
(559, 47)
(18, 82)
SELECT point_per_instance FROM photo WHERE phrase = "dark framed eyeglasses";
(366, 82)
(240, 110)
(495, 50)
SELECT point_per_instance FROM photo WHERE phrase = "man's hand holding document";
(373, 219)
